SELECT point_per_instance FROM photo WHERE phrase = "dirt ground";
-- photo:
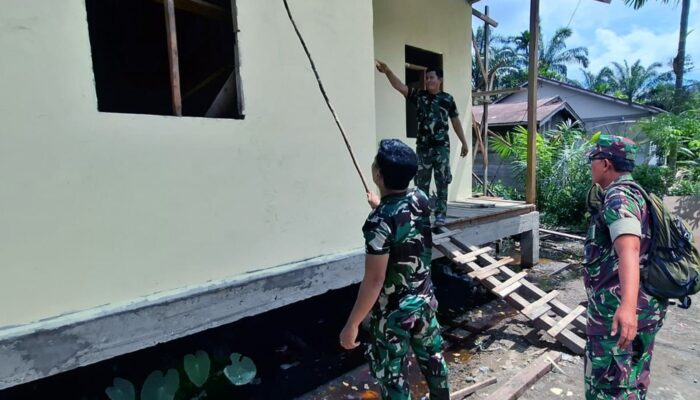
(507, 344)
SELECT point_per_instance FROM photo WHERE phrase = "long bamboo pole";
(325, 97)
(173, 59)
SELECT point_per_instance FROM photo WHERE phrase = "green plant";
(563, 175)
(121, 390)
(241, 371)
(654, 179)
(197, 367)
(160, 387)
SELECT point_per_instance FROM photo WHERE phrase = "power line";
(573, 13)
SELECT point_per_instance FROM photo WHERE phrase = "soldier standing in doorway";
(434, 107)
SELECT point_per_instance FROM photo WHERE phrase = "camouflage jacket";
(622, 210)
(433, 112)
(400, 227)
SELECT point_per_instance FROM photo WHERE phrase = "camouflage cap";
(612, 147)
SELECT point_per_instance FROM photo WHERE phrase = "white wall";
(99, 208)
(440, 26)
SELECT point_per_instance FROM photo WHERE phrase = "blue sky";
(612, 32)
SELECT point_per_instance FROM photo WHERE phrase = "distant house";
(598, 112)
(595, 111)
(506, 116)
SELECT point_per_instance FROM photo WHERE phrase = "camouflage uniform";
(404, 315)
(612, 372)
(433, 142)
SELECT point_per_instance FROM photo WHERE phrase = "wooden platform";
(567, 326)
(484, 209)
(484, 220)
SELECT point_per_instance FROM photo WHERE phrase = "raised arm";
(393, 79)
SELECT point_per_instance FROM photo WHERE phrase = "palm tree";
(503, 62)
(680, 59)
(600, 82)
(633, 82)
(554, 56)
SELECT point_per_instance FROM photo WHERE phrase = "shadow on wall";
(688, 209)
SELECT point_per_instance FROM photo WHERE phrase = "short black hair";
(622, 165)
(437, 71)
(397, 163)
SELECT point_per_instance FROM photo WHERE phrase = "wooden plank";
(471, 256)
(513, 279)
(484, 18)
(445, 235)
(565, 321)
(564, 235)
(481, 273)
(528, 311)
(527, 377)
(462, 393)
(531, 175)
(200, 7)
(173, 59)
(510, 289)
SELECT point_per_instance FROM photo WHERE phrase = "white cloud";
(638, 44)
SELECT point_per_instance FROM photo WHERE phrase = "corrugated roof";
(516, 113)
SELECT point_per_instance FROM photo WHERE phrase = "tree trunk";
(679, 60)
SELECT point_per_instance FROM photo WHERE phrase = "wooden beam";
(487, 93)
(201, 7)
(416, 67)
(533, 67)
(462, 393)
(485, 113)
(173, 59)
(484, 17)
(564, 235)
(527, 377)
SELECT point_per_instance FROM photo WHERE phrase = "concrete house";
(131, 219)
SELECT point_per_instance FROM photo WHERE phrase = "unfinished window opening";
(133, 41)
(417, 62)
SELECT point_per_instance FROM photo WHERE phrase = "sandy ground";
(507, 344)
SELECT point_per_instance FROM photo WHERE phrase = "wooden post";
(533, 67)
(171, 35)
(485, 116)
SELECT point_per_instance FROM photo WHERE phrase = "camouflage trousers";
(392, 337)
(434, 160)
(616, 374)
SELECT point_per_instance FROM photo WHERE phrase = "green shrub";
(652, 178)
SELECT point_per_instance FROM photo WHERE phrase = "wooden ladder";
(526, 297)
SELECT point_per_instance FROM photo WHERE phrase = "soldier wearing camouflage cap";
(433, 108)
(622, 318)
(397, 290)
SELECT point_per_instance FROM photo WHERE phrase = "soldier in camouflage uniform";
(397, 290)
(623, 318)
(434, 107)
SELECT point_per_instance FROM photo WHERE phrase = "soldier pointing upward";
(434, 107)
